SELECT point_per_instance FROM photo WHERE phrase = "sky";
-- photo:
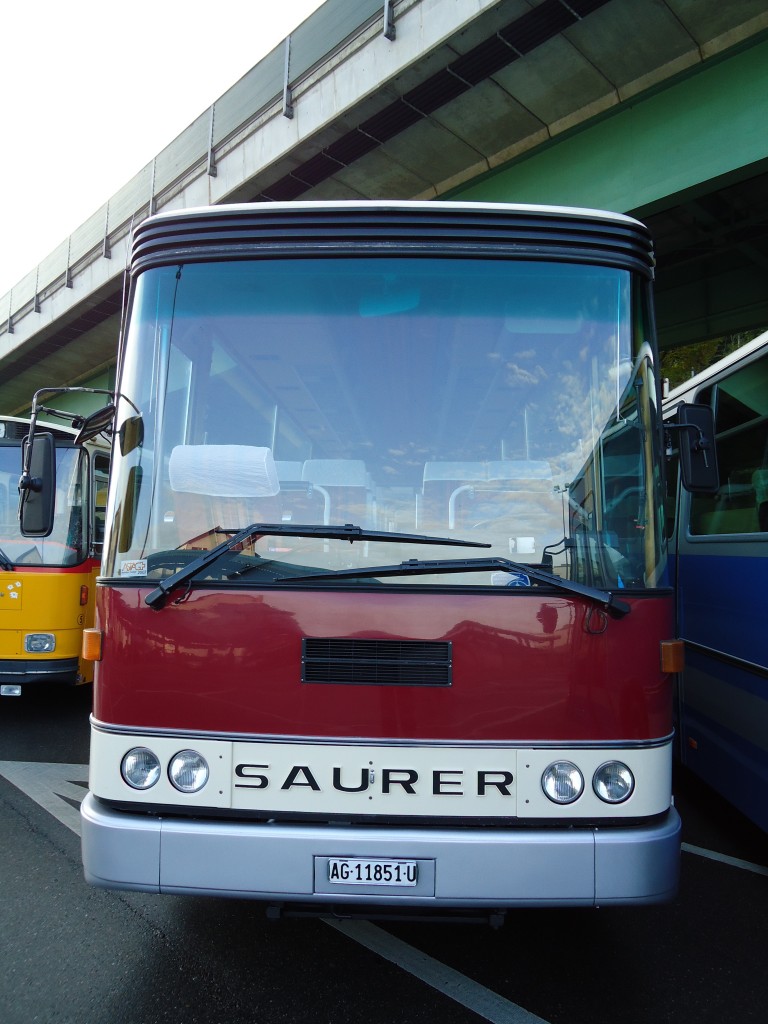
(91, 91)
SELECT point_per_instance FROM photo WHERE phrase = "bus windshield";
(506, 402)
(65, 545)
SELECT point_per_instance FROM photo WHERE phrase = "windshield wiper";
(348, 532)
(5, 562)
(417, 567)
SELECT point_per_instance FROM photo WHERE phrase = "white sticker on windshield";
(510, 579)
(136, 567)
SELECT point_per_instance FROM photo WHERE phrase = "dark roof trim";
(264, 230)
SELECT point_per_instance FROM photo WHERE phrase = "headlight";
(188, 771)
(39, 643)
(562, 782)
(140, 768)
(613, 782)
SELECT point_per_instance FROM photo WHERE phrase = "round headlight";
(562, 782)
(188, 771)
(140, 768)
(613, 782)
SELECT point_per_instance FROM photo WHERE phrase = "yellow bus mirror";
(37, 486)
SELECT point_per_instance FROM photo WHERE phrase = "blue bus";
(720, 544)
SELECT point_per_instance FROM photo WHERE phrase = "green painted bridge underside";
(711, 123)
(654, 154)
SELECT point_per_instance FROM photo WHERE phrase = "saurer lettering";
(440, 782)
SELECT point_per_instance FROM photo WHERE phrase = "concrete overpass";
(653, 107)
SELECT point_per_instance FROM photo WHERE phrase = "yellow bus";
(47, 583)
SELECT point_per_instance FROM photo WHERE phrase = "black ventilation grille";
(264, 230)
(11, 431)
(376, 662)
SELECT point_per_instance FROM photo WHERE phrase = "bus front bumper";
(473, 867)
(23, 672)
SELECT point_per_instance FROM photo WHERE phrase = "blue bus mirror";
(698, 455)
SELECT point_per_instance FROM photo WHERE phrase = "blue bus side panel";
(723, 600)
(724, 706)
(724, 725)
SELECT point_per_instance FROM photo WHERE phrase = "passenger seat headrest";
(223, 470)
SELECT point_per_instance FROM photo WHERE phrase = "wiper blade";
(417, 567)
(348, 532)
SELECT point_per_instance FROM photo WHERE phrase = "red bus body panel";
(525, 667)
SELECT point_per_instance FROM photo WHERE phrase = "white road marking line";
(444, 979)
(47, 784)
(50, 784)
(734, 862)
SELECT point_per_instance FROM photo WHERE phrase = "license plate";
(354, 871)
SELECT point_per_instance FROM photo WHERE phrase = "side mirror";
(131, 434)
(37, 485)
(95, 424)
(698, 455)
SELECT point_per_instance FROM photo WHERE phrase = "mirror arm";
(26, 482)
(76, 420)
(701, 444)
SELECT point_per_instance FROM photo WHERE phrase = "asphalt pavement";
(71, 953)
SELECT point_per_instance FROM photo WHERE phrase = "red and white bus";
(384, 616)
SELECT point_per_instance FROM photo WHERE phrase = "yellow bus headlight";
(39, 643)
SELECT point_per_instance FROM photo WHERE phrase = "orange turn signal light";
(92, 639)
(672, 655)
